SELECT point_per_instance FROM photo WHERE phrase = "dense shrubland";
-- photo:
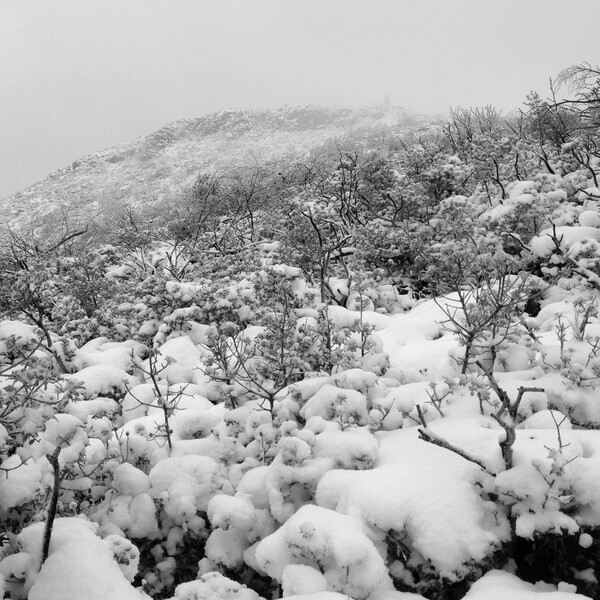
(372, 369)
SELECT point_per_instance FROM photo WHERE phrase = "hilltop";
(157, 166)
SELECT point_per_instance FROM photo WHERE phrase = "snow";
(80, 565)
(213, 586)
(102, 380)
(344, 317)
(19, 481)
(499, 585)
(331, 489)
(13, 572)
(134, 515)
(589, 218)
(326, 401)
(129, 480)
(139, 398)
(319, 596)
(83, 409)
(22, 333)
(312, 502)
(301, 580)
(178, 360)
(353, 448)
(125, 553)
(567, 236)
(334, 543)
(225, 548)
(185, 484)
(101, 351)
(417, 343)
(231, 511)
(67, 432)
(402, 494)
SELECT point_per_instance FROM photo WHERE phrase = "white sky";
(77, 76)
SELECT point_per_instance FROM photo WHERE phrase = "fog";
(79, 76)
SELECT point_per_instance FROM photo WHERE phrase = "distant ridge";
(159, 165)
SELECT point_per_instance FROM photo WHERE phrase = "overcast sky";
(77, 76)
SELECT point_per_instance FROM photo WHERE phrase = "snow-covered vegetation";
(370, 370)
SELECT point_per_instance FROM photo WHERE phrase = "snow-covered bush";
(377, 373)
(336, 545)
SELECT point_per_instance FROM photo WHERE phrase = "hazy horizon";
(78, 78)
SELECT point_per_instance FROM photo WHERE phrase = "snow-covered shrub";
(336, 545)
(213, 586)
(248, 403)
(79, 565)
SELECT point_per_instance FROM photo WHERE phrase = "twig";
(427, 435)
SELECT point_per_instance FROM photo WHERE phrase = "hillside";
(369, 371)
(158, 166)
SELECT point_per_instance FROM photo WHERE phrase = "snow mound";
(543, 245)
(589, 218)
(22, 333)
(213, 586)
(338, 545)
(80, 564)
(100, 351)
(20, 481)
(426, 495)
(417, 344)
(498, 585)
(103, 380)
(185, 485)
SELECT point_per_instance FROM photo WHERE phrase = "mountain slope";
(159, 165)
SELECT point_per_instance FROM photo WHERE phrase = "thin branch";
(426, 434)
(53, 460)
(429, 436)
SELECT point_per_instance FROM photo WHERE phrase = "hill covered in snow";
(158, 166)
(364, 367)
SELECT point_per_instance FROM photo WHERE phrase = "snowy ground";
(314, 505)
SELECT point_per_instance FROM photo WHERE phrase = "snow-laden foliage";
(370, 372)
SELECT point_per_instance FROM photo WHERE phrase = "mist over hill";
(158, 166)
